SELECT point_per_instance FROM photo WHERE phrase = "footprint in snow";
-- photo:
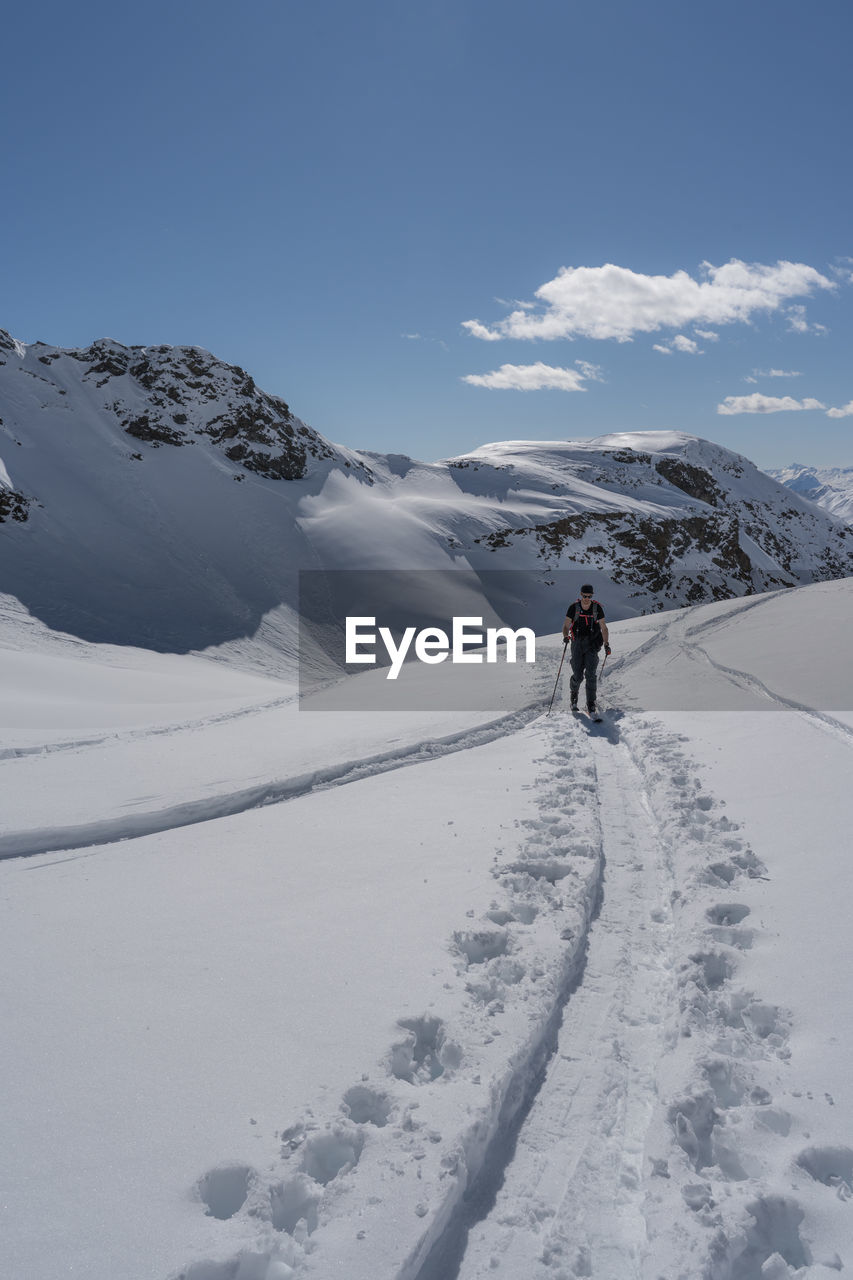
(833, 1166)
(425, 1052)
(479, 945)
(225, 1190)
(364, 1105)
(727, 913)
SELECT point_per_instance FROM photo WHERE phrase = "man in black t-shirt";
(587, 630)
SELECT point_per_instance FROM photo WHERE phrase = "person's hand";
(607, 650)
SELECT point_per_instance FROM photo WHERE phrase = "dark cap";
(586, 589)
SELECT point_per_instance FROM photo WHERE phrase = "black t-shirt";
(585, 621)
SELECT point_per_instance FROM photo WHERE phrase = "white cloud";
(413, 336)
(529, 377)
(707, 334)
(772, 373)
(592, 372)
(478, 330)
(843, 270)
(846, 412)
(678, 343)
(615, 302)
(797, 322)
(757, 403)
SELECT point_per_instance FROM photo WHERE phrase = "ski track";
(621, 1142)
(308, 1214)
(148, 731)
(109, 831)
(744, 680)
(573, 1196)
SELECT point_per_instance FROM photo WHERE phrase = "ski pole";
(557, 681)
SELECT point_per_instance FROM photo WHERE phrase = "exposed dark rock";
(13, 506)
(646, 551)
(156, 433)
(628, 455)
(112, 363)
(694, 481)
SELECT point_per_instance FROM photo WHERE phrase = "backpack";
(591, 627)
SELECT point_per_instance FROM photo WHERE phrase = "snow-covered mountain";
(830, 487)
(155, 496)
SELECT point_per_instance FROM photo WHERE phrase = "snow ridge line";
(711, 1195)
(513, 984)
(53, 839)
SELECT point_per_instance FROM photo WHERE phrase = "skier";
(587, 630)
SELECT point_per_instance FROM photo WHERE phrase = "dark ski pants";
(584, 667)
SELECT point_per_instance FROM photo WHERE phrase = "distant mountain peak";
(162, 395)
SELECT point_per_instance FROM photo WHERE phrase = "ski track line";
(149, 731)
(680, 622)
(744, 680)
(109, 831)
(573, 1195)
(305, 1210)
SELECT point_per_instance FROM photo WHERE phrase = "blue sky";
(327, 193)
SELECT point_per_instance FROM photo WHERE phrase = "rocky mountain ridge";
(155, 496)
(178, 396)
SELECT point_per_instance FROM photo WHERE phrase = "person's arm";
(567, 625)
(605, 633)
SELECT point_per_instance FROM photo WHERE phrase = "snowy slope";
(830, 487)
(155, 497)
(542, 999)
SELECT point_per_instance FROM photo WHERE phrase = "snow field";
(566, 1000)
(418, 1139)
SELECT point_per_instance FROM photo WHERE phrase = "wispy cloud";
(478, 330)
(535, 377)
(772, 373)
(679, 343)
(797, 322)
(593, 372)
(758, 403)
(845, 412)
(707, 334)
(616, 302)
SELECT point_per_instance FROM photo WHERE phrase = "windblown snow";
(436, 995)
